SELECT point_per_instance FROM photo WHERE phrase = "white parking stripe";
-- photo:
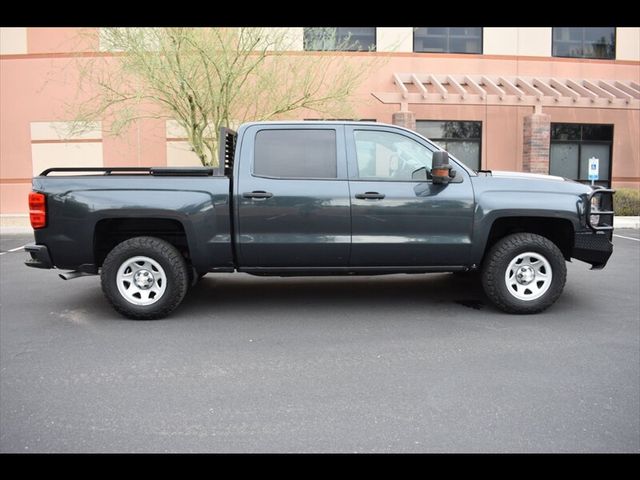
(628, 238)
(13, 250)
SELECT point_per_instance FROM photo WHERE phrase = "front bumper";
(40, 257)
(593, 247)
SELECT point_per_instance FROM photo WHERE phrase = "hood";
(525, 175)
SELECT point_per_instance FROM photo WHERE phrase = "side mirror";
(441, 168)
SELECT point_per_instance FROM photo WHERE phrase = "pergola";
(538, 91)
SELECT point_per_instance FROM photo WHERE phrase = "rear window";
(301, 153)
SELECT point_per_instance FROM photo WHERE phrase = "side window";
(296, 153)
(391, 156)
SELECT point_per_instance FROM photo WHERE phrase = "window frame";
(352, 154)
(615, 43)
(341, 170)
(580, 142)
(375, 42)
(481, 52)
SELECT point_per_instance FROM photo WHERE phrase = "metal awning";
(429, 88)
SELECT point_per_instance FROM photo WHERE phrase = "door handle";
(370, 196)
(257, 194)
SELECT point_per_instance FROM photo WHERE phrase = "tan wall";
(53, 146)
(628, 44)
(394, 39)
(527, 41)
(13, 40)
(179, 151)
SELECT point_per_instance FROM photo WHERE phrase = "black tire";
(503, 253)
(167, 256)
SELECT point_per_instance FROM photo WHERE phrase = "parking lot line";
(628, 238)
(13, 250)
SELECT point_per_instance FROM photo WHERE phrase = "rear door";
(399, 217)
(292, 196)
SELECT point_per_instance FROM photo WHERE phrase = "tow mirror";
(441, 168)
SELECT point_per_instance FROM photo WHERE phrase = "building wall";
(38, 77)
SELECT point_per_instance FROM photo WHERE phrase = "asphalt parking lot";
(402, 363)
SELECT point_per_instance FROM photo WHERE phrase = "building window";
(349, 39)
(296, 153)
(462, 139)
(573, 144)
(447, 39)
(584, 42)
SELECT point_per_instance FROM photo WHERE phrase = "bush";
(626, 201)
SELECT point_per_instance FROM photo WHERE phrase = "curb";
(626, 222)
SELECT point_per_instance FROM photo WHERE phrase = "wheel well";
(110, 232)
(558, 230)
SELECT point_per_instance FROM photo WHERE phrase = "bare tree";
(205, 78)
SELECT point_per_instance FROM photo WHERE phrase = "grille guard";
(610, 213)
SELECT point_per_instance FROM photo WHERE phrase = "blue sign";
(594, 168)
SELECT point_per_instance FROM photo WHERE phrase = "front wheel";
(524, 273)
(144, 278)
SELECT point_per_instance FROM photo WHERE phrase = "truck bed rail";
(156, 171)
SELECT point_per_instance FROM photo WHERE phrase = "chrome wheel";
(528, 276)
(141, 280)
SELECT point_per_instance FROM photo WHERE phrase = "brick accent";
(404, 119)
(535, 144)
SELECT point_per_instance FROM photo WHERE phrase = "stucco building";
(526, 99)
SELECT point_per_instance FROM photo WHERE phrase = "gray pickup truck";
(316, 198)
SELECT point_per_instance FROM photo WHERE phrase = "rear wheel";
(144, 278)
(524, 273)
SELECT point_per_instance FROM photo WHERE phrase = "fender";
(490, 206)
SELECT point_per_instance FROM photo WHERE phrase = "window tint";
(584, 42)
(390, 156)
(340, 38)
(296, 153)
(447, 39)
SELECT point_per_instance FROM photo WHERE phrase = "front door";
(292, 195)
(399, 217)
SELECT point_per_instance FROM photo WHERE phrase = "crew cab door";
(292, 196)
(399, 217)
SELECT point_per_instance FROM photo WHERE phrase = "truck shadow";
(249, 293)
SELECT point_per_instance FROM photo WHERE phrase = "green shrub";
(626, 201)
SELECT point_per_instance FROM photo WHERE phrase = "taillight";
(38, 210)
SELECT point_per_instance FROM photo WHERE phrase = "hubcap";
(141, 280)
(528, 276)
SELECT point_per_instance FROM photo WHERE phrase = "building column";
(404, 118)
(535, 144)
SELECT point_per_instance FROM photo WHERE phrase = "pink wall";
(34, 88)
